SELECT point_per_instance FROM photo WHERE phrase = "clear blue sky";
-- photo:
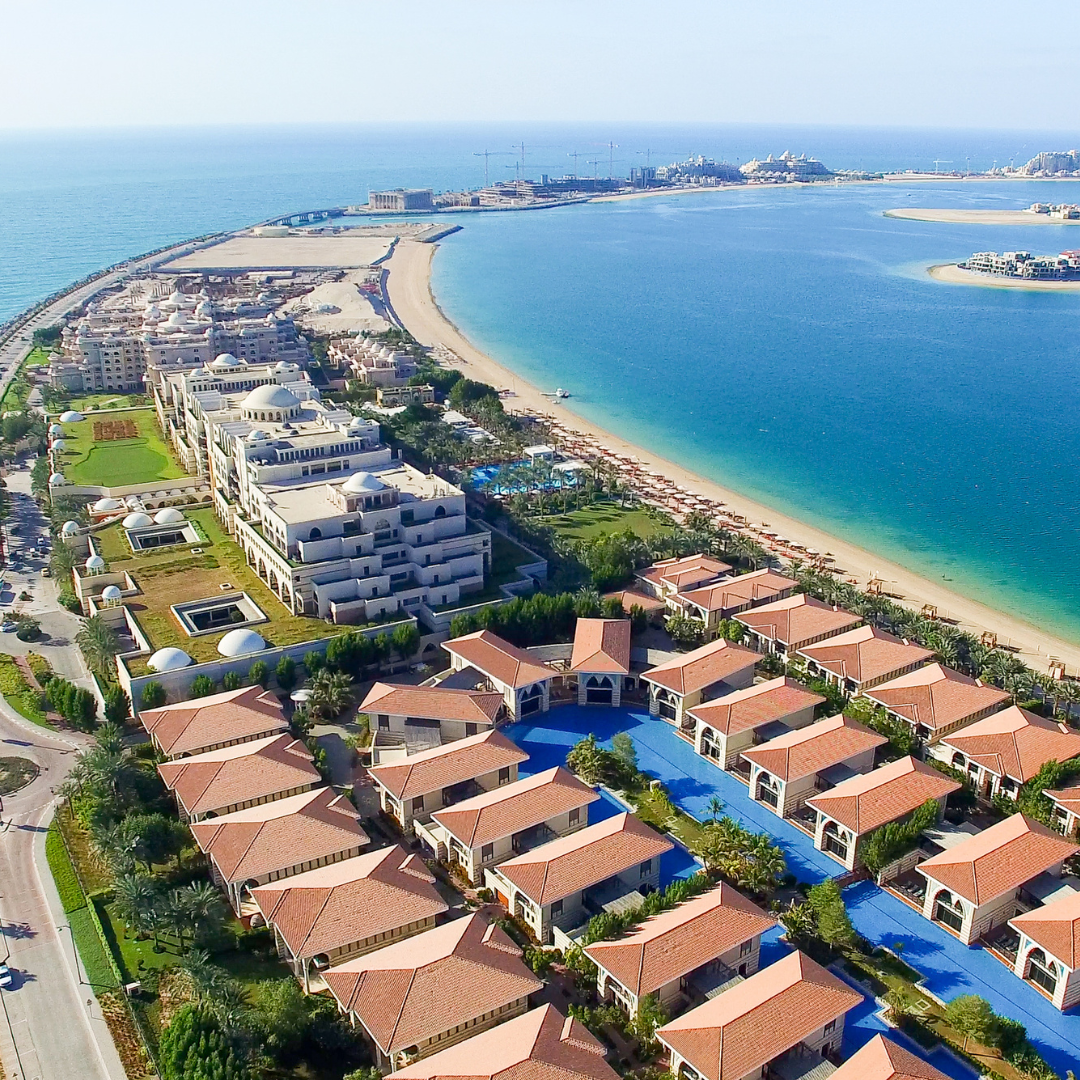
(925, 63)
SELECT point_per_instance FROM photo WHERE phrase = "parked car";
(6, 978)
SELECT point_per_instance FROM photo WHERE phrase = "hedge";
(98, 970)
(67, 884)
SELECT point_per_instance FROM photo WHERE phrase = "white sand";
(286, 252)
(410, 294)
(978, 217)
(952, 274)
(356, 312)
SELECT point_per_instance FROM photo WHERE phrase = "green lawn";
(90, 402)
(118, 462)
(600, 518)
(94, 960)
(506, 557)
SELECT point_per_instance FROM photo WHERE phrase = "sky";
(919, 63)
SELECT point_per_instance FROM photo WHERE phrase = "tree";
(99, 644)
(27, 628)
(259, 674)
(232, 680)
(406, 640)
(330, 693)
(151, 838)
(650, 1015)
(204, 909)
(117, 706)
(639, 619)
(715, 807)
(281, 1014)
(622, 746)
(971, 1016)
(153, 696)
(368, 1072)
(194, 1047)
(285, 673)
(136, 898)
(799, 922)
(684, 631)
(314, 662)
(202, 686)
(833, 924)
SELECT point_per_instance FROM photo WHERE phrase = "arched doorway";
(1042, 971)
(531, 700)
(767, 790)
(835, 841)
(667, 704)
(598, 691)
(949, 911)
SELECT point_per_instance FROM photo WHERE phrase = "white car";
(6, 980)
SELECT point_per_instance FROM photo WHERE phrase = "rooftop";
(702, 667)
(881, 1059)
(811, 749)
(754, 706)
(737, 592)
(498, 659)
(865, 654)
(685, 573)
(797, 618)
(601, 645)
(433, 703)
(936, 696)
(1056, 928)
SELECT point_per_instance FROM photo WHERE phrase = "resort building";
(330, 915)
(497, 825)
(422, 995)
(975, 886)
(727, 726)
(401, 199)
(670, 576)
(856, 807)
(684, 955)
(372, 363)
(1066, 809)
(411, 788)
(601, 660)
(564, 882)
(1006, 749)
(523, 681)
(265, 843)
(540, 1045)
(882, 1059)
(862, 658)
(727, 597)
(1048, 952)
(210, 723)
(935, 700)
(689, 679)
(786, 771)
(788, 625)
(236, 777)
(776, 1023)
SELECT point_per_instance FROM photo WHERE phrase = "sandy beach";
(952, 274)
(409, 290)
(978, 217)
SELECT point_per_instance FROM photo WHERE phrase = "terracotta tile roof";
(1055, 928)
(541, 1045)
(351, 900)
(702, 667)
(498, 659)
(936, 696)
(236, 774)
(433, 703)
(189, 727)
(278, 835)
(428, 984)
(686, 572)
(735, 593)
(601, 645)
(760, 704)
(630, 597)
(998, 859)
(881, 1059)
(749, 1025)
(865, 654)
(506, 810)
(674, 943)
(1066, 798)
(867, 802)
(444, 766)
(1015, 743)
(810, 749)
(561, 867)
(796, 619)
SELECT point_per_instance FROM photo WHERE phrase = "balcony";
(528, 839)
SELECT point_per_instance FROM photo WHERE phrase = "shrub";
(314, 662)
(117, 706)
(259, 674)
(485, 896)
(28, 629)
(685, 632)
(896, 839)
(232, 680)
(67, 884)
(285, 673)
(153, 696)
(202, 686)
(40, 667)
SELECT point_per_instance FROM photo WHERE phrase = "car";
(9, 627)
(7, 980)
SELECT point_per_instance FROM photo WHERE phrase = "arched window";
(835, 840)
(440, 511)
(531, 700)
(598, 691)
(1042, 971)
(949, 910)
(958, 760)
(315, 534)
(767, 790)
(667, 704)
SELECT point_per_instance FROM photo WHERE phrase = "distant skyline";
(949, 63)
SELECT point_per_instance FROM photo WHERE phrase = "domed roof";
(177, 318)
(361, 482)
(169, 659)
(70, 417)
(69, 528)
(95, 562)
(55, 429)
(111, 592)
(168, 515)
(225, 360)
(137, 521)
(204, 308)
(258, 435)
(177, 297)
(103, 505)
(56, 479)
(240, 642)
(270, 396)
(59, 444)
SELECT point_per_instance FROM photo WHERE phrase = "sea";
(786, 342)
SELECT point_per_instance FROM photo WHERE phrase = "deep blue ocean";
(787, 343)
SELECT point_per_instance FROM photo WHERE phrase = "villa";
(497, 825)
(882, 1059)
(1066, 808)
(601, 660)
(1006, 749)
(265, 843)
(422, 995)
(862, 658)
(851, 811)
(670, 576)
(684, 954)
(332, 914)
(1048, 953)
(236, 777)
(688, 679)
(784, 1017)
(565, 881)
(789, 625)
(726, 598)
(411, 788)
(788, 770)
(521, 679)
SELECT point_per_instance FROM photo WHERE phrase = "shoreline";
(975, 217)
(408, 288)
(952, 274)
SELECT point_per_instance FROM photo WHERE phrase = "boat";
(561, 393)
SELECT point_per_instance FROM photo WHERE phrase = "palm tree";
(136, 901)
(330, 693)
(99, 643)
(204, 908)
(716, 807)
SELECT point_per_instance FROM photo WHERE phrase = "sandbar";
(410, 296)
(286, 252)
(952, 274)
(978, 217)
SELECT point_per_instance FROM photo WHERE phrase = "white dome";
(70, 528)
(137, 521)
(361, 482)
(95, 562)
(133, 502)
(110, 592)
(225, 360)
(240, 642)
(70, 417)
(55, 429)
(270, 396)
(204, 308)
(103, 505)
(59, 444)
(258, 435)
(168, 660)
(169, 515)
(56, 479)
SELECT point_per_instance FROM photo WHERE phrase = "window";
(746, 948)
(830, 1027)
(646, 868)
(575, 815)
(418, 804)
(556, 909)
(487, 852)
(504, 776)
(384, 722)
(471, 729)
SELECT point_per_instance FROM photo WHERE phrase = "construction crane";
(575, 155)
(611, 158)
(485, 155)
(940, 161)
(594, 164)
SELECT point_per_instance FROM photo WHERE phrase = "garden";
(139, 456)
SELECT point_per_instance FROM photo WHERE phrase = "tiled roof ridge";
(566, 1035)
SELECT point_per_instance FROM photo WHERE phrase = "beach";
(978, 217)
(408, 286)
(952, 274)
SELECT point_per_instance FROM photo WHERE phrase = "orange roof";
(348, 901)
(541, 1045)
(936, 696)
(999, 859)
(881, 1059)
(865, 654)
(742, 1029)
(498, 659)
(433, 703)
(675, 942)
(630, 597)
(556, 869)
(686, 572)
(1066, 798)
(506, 810)
(275, 836)
(240, 773)
(702, 667)
(601, 645)
(810, 749)
(189, 727)
(760, 704)
(796, 619)
(864, 803)
(1015, 743)
(1056, 928)
(735, 593)
(429, 984)
(443, 766)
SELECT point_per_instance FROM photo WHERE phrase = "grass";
(67, 884)
(654, 808)
(19, 694)
(600, 518)
(140, 460)
(98, 972)
(38, 357)
(506, 556)
(91, 402)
